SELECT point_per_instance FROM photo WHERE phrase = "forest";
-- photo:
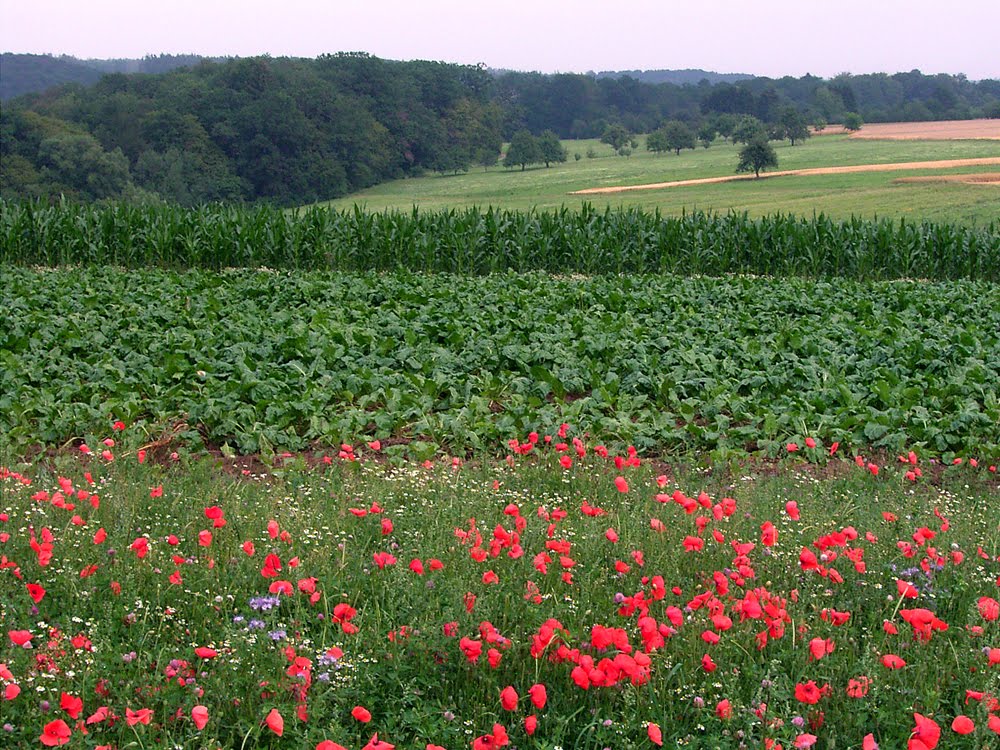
(292, 131)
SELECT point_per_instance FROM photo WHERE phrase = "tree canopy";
(523, 150)
(756, 155)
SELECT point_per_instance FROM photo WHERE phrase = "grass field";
(836, 195)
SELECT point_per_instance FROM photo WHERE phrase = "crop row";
(475, 241)
(273, 360)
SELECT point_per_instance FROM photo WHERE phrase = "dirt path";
(944, 163)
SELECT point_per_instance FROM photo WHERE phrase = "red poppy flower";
(655, 733)
(926, 734)
(621, 484)
(142, 716)
(723, 709)
(538, 695)
(71, 704)
(530, 724)
(693, 543)
(820, 647)
(508, 698)
(331, 745)
(362, 714)
(891, 661)
(963, 725)
(199, 715)
(768, 534)
(55, 733)
(376, 744)
(808, 692)
(858, 688)
(36, 592)
(20, 637)
(989, 608)
(906, 590)
(275, 722)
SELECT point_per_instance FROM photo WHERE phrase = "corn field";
(587, 241)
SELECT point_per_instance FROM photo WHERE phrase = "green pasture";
(862, 194)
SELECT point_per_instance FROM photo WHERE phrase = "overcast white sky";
(763, 37)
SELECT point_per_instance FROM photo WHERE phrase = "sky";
(761, 37)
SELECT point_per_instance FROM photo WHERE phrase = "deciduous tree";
(757, 155)
(853, 121)
(523, 150)
(748, 129)
(551, 149)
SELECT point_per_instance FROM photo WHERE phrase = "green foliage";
(551, 149)
(78, 162)
(618, 137)
(588, 241)
(749, 129)
(706, 133)
(673, 136)
(273, 360)
(794, 124)
(678, 135)
(853, 121)
(756, 155)
(287, 131)
(524, 149)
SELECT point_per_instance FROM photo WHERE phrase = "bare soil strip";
(898, 166)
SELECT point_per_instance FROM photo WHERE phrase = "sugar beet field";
(481, 479)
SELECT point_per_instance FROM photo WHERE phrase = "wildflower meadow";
(565, 596)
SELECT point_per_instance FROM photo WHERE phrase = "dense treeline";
(289, 131)
(293, 131)
(474, 241)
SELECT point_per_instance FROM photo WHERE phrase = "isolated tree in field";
(853, 121)
(551, 148)
(616, 136)
(757, 155)
(748, 129)
(523, 150)
(795, 125)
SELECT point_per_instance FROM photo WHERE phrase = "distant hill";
(24, 74)
(691, 76)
